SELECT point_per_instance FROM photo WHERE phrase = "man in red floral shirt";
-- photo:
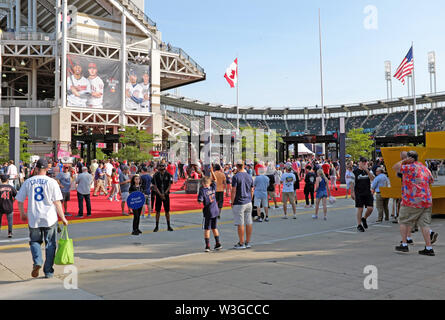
(416, 201)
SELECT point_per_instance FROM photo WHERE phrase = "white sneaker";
(239, 246)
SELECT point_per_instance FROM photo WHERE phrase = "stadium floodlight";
(388, 79)
(432, 57)
(432, 70)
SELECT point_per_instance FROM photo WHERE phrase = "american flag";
(406, 67)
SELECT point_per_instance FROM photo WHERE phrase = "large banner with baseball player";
(93, 83)
(137, 88)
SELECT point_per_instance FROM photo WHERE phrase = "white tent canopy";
(302, 149)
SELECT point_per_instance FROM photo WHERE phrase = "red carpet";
(101, 207)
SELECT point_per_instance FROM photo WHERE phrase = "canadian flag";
(232, 73)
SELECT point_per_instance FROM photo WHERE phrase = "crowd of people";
(250, 187)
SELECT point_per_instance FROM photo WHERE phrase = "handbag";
(65, 249)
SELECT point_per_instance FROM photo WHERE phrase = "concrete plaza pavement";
(289, 260)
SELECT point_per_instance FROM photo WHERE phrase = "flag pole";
(414, 92)
(323, 132)
(237, 106)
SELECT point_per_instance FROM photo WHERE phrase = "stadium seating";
(397, 123)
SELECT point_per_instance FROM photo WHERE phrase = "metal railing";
(27, 103)
(28, 36)
(182, 54)
(135, 8)
(107, 39)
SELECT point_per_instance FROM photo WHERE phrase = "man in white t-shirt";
(12, 172)
(97, 88)
(44, 205)
(108, 171)
(133, 93)
(79, 88)
(288, 179)
(145, 105)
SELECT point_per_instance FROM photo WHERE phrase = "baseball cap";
(92, 65)
(239, 162)
(131, 72)
(42, 164)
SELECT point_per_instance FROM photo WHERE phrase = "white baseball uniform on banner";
(145, 105)
(97, 85)
(82, 87)
(135, 91)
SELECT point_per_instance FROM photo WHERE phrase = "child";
(7, 197)
(115, 185)
(136, 185)
(207, 196)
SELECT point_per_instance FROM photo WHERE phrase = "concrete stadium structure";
(38, 36)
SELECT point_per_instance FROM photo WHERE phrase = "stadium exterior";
(44, 41)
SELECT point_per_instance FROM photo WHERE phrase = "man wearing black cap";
(162, 182)
(44, 205)
(362, 193)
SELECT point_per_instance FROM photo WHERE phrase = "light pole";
(388, 79)
(432, 71)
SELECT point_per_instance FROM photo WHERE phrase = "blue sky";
(276, 43)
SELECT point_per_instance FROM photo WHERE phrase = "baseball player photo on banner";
(93, 83)
(137, 88)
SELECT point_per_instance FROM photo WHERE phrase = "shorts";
(220, 198)
(288, 195)
(242, 214)
(210, 223)
(321, 194)
(124, 196)
(66, 196)
(147, 199)
(415, 216)
(271, 194)
(366, 200)
(257, 202)
(159, 202)
(349, 184)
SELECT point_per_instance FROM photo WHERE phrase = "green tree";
(4, 142)
(359, 144)
(267, 136)
(100, 155)
(136, 145)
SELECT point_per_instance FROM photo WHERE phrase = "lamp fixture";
(23, 62)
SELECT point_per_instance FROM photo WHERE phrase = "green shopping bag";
(65, 249)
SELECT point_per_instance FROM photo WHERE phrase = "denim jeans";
(37, 236)
(80, 198)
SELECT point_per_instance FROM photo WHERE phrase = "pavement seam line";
(9, 247)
